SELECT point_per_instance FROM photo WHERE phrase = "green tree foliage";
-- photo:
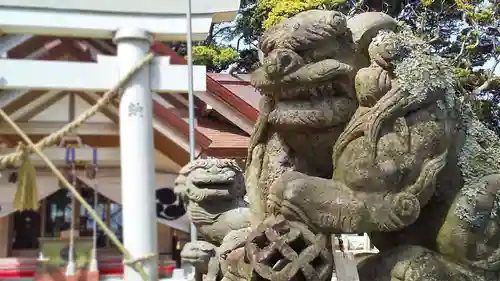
(465, 31)
(278, 10)
(258, 15)
(215, 58)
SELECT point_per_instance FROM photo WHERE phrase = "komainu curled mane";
(307, 99)
(404, 172)
(360, 130)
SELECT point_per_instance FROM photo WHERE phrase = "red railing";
(27, 270)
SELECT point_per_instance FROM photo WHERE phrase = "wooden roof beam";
(164, 135)
(52, 49)
(37, 106)
(176, 130)
(9, 42)
(47, 128)
(107, 157)
(98, 19)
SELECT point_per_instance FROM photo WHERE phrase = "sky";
(243, 46)
(489, 65)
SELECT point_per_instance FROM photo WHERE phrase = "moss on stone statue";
(479, 157)
(423, 72)
(420, 73)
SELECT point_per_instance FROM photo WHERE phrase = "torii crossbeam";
(133, 25)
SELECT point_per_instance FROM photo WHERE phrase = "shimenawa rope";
(54, 138)
(23, 152)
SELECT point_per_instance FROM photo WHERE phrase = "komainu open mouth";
(207, 178)
(315, 95)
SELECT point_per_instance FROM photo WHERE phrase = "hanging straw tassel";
(26, 197)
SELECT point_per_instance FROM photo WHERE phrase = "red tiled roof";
(239, 84)
(247, 93)
(224, 78)
(214, 138)
(234, 90)
(237, 92)
(223, 135)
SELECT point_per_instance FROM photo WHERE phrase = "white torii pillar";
(137, 153)
(132, 24)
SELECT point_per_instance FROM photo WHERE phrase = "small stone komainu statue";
(360, 130)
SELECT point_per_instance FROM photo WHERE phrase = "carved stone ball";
(281, 250)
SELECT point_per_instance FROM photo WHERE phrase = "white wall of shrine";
(60, 111)
(50, 112)
(133, 27)
(108, 185)
(53, 110)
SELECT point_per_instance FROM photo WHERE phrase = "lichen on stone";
(496, 207)
(464, 209)
(479, 157)
(418, 70)
(421, 74)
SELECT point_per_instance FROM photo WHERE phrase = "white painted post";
(137, 154)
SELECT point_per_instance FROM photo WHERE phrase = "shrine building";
(225, 115)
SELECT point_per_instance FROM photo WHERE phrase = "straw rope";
(54, 138)
(26, 197)
(23, 151)
(131, 262)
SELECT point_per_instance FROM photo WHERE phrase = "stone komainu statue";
(360, 130)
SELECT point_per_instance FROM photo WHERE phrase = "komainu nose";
(280, 62)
